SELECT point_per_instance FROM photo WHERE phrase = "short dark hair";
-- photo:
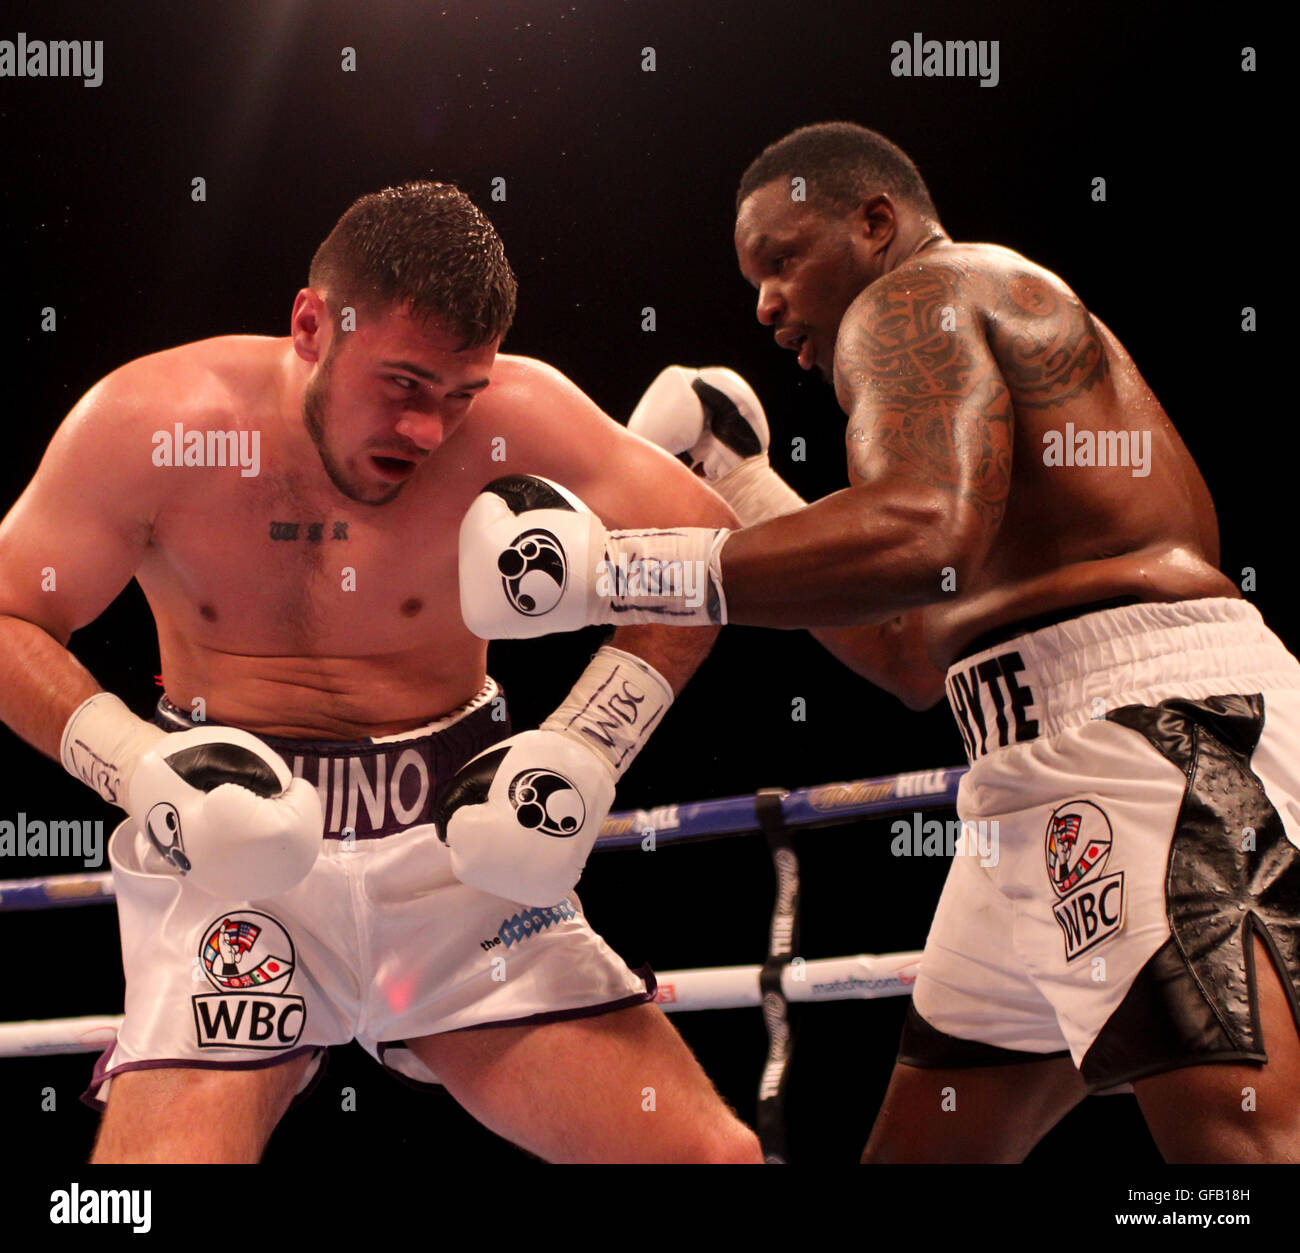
(843, 163)
(425, 246)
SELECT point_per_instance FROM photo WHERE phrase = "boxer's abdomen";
(308, 621)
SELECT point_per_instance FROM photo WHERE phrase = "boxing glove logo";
(163, 827)
(534, 572)
(547, 802)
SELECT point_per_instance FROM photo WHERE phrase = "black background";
(620, 187)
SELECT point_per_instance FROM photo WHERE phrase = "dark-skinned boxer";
(1025, 529)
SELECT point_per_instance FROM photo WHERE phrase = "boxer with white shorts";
(289, 508)
(1026, 531)
(1135, 766)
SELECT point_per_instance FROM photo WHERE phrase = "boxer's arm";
(714, 418)
(67, 548)
(627, 482)
(929, 444)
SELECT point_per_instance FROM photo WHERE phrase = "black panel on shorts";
(1195, 1000)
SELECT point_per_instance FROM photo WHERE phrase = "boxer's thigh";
(1243, 1112)
(616, 1087)
(982, 1073)
(972, 1114)
(175, 1114)
(227, 1003)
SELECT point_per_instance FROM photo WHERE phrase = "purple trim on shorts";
(347, 773)
(534, 1020)
(99, 1076)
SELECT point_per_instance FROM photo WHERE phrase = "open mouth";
(799, 344)
(394, 469)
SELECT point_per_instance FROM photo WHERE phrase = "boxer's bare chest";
(271, 565)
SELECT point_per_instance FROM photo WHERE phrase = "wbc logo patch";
(249, 958)
(246, 950)
(1090, 904)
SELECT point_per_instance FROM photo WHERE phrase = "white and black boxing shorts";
(1134, 811)
(380, 943)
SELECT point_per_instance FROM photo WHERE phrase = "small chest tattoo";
(312, 532)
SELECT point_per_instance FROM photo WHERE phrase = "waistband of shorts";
(1063, 675)
(382, 785)
(1011, 630)
(171, 717)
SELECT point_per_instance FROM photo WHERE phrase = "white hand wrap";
(615, 704)
(653, 577)
(757, 493)
(102, 744)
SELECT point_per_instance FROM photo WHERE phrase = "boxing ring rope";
(828, 804)
(782, 979)
(866, 976)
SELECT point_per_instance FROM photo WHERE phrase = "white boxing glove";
(714, 422)
(521, 818)
(529, 550)
(216, 802)
(535, 560)
(712, 416)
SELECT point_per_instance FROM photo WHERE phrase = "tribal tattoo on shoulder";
(916, 375)
(1046, 343)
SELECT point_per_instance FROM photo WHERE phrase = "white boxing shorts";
(380, 943)
(1132, 817)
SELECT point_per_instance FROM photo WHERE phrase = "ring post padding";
(783, 940)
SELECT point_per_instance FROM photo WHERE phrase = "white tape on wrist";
(102, 743)
(652, 577)
(615, 704)
(756, 492)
